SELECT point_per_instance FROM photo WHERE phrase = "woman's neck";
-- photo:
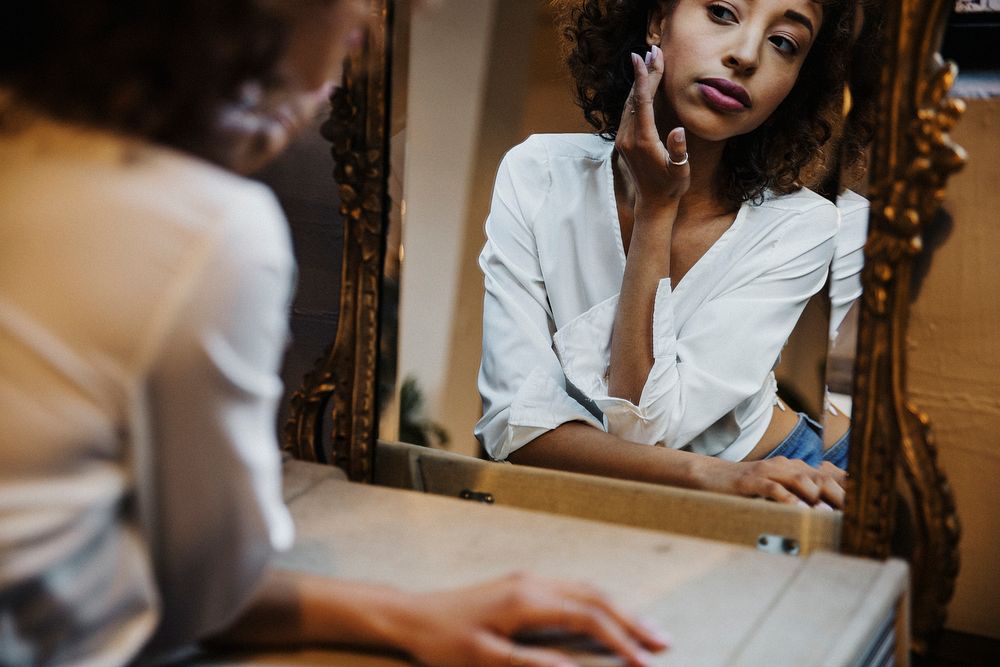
(704, 196)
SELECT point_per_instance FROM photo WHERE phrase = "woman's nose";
(743, 56)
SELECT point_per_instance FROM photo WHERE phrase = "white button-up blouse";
(553, 265)
(143, 314)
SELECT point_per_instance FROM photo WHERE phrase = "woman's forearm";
(578, 447)
(632, 338)
(295, 608)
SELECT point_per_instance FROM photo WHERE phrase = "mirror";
(509, 83)
(906, 179)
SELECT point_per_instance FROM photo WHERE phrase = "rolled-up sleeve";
(726, 349)
(521, 381)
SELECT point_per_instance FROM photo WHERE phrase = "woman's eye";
(722, 13)
(785, 45)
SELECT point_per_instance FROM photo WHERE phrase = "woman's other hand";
(660, 174)
(785, 480)
(476, 626)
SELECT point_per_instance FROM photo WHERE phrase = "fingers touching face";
(322, 33)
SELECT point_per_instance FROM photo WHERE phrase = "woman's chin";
(715, 130)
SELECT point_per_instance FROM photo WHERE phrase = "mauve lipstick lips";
(724, 95)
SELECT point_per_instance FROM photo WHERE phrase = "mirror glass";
(848, 177)
(480, 78)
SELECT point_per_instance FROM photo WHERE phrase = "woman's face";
(728, 64)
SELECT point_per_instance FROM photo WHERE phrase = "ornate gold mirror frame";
(892, 452)
(343, 383)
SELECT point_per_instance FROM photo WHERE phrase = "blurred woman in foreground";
(143, 295)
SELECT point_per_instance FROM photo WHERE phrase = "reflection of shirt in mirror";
(553, 266)
(845, 290)
(848, 257)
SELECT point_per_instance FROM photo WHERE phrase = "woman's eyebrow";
(800, 18)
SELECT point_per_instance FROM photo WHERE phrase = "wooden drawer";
(743, 521)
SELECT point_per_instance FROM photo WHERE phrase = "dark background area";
(972, 39)
(302, 178)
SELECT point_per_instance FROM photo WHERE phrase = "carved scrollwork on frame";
(343, 383)
(892, 451)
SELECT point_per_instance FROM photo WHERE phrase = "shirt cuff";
(540, 405)
(583, 347)
(584, 350)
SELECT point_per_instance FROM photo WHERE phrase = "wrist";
(704, 473)
(683, 469)
(338, 611)
(393, 619)
(655, 211)
(652, 234)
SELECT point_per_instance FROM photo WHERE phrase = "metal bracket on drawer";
(468, 494)
(777, 544)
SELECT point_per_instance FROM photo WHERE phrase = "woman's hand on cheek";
(251, 137)
(660, 174)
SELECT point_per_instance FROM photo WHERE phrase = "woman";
(639, 291)
(143, 296)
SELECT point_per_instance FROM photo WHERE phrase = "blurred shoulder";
(853, 208)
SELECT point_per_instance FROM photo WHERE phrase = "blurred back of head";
(158, 69)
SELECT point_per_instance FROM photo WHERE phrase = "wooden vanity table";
(723, 604)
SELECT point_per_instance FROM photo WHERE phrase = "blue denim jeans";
(805, 443)
(837, 454)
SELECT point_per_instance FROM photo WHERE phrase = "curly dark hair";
(157, 69)
(601, 35)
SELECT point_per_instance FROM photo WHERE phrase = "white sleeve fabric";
(212, 397)
(726, 350)
(848, 258)
(521, 382)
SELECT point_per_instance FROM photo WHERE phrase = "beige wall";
(483, 75)
(954, 365)
(449, 64)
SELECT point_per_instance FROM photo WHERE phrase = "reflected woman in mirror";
(144, 287)
(642, 281)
